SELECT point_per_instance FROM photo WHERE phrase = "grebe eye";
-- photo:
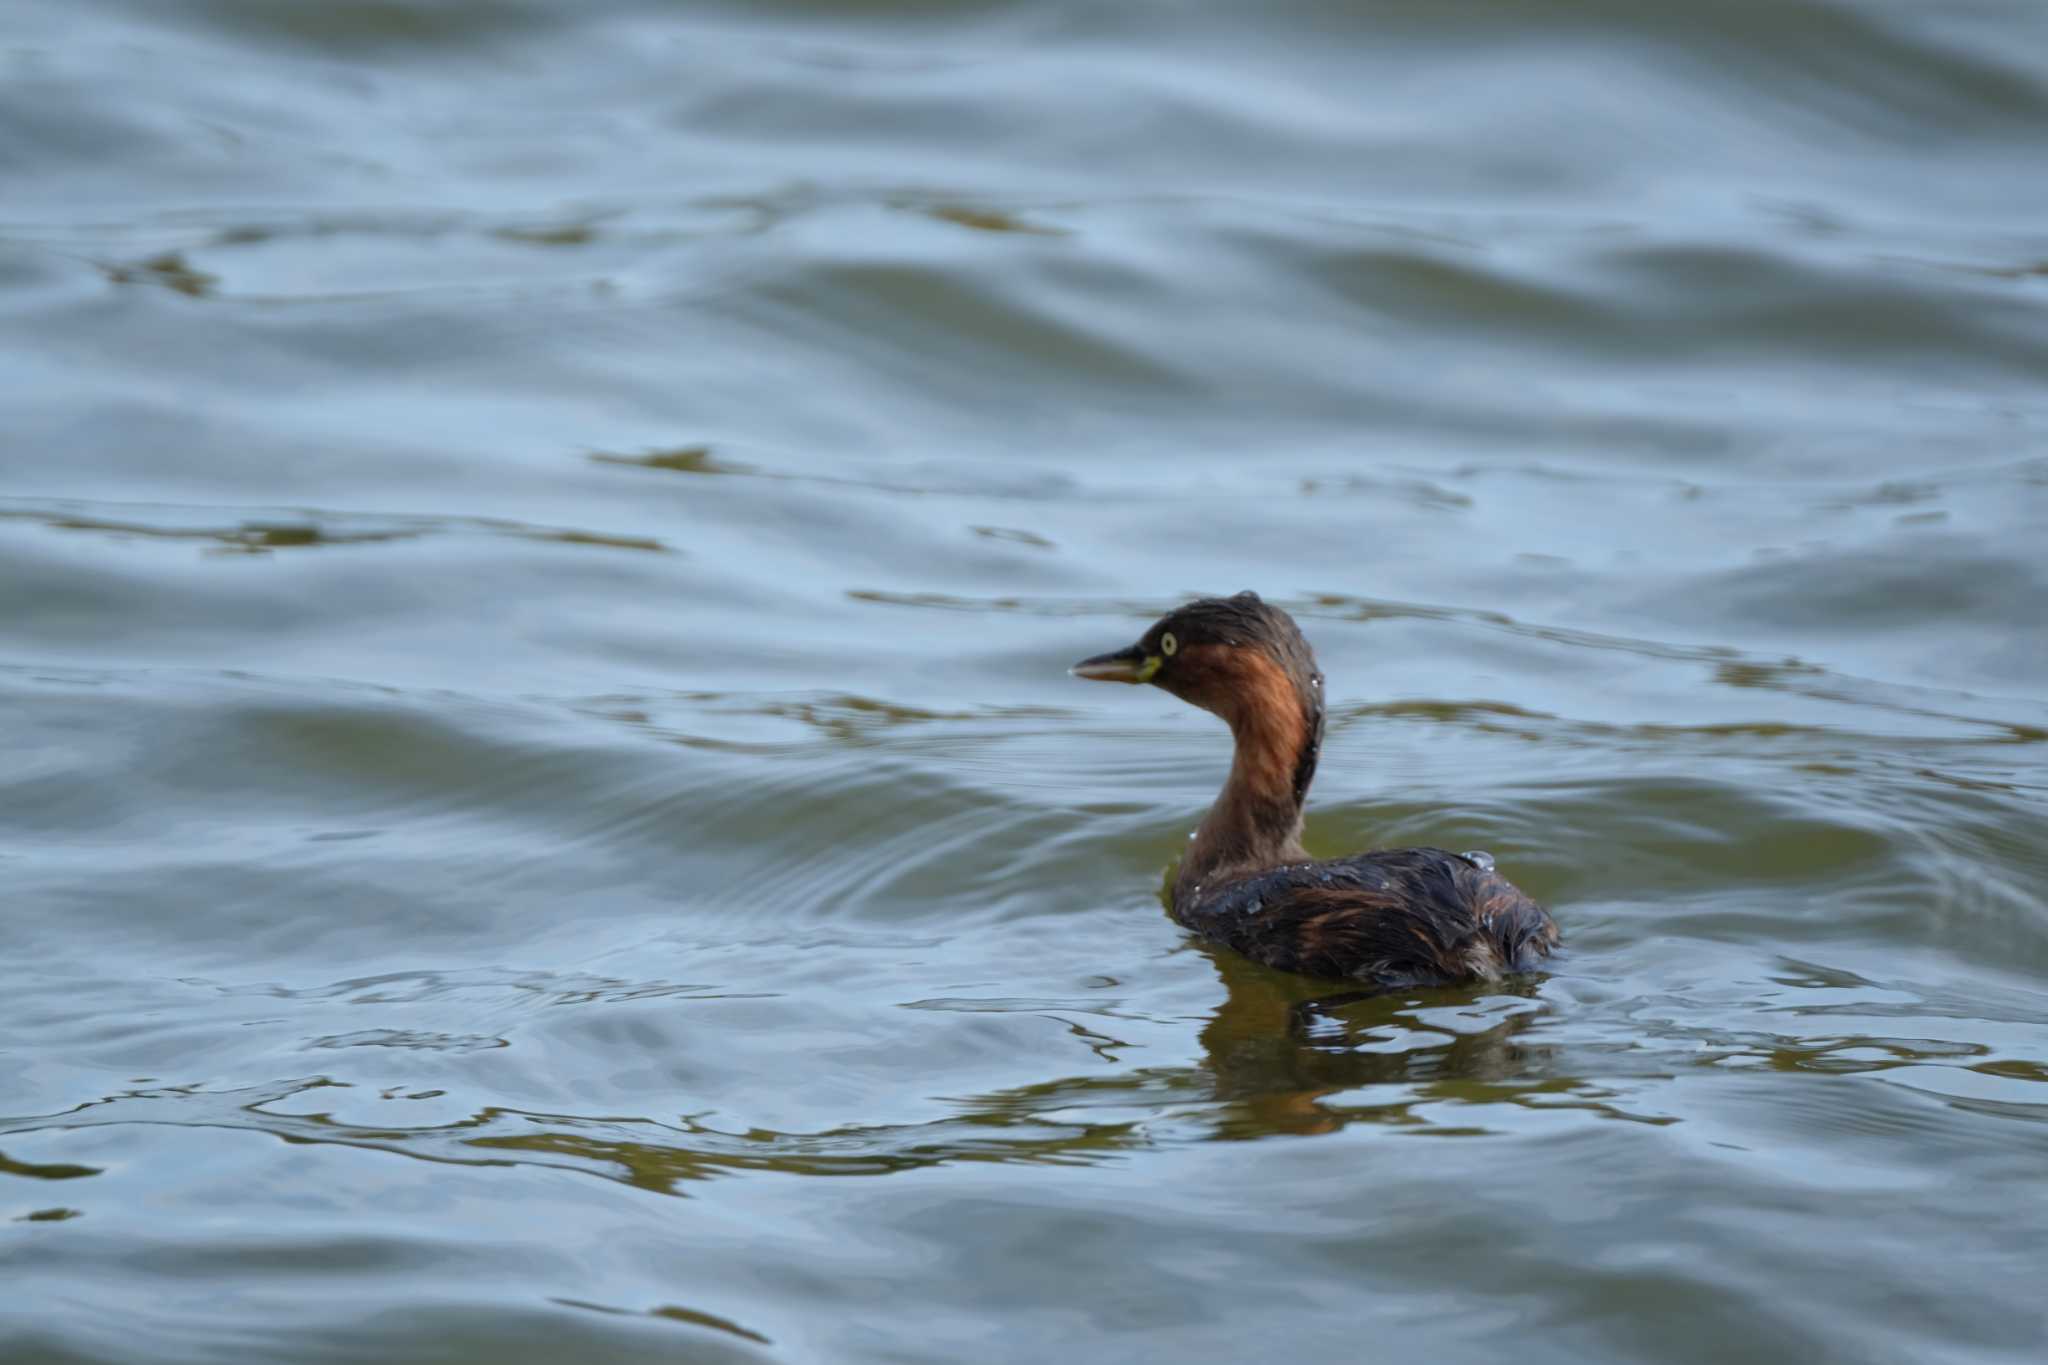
(1167, 644)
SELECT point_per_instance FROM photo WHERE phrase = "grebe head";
(1239, 657)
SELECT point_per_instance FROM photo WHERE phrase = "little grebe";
(1393, 919)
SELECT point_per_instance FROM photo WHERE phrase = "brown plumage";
(1391, 919)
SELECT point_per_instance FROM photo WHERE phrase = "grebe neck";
(1256, 821)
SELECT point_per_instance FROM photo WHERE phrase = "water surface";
(544, 814)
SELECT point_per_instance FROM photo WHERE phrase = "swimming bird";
(1391, 919)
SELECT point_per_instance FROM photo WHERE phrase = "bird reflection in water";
(1276, 1050)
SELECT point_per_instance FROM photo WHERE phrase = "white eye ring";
(1167, 644)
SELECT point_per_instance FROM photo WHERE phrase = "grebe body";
(1391, 919)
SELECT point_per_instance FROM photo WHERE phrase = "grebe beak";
(1131, 665)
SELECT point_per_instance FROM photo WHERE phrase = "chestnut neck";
(1256, 820)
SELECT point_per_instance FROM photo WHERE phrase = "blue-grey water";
(542, 815)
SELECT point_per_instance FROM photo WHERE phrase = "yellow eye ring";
(1167, 644)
